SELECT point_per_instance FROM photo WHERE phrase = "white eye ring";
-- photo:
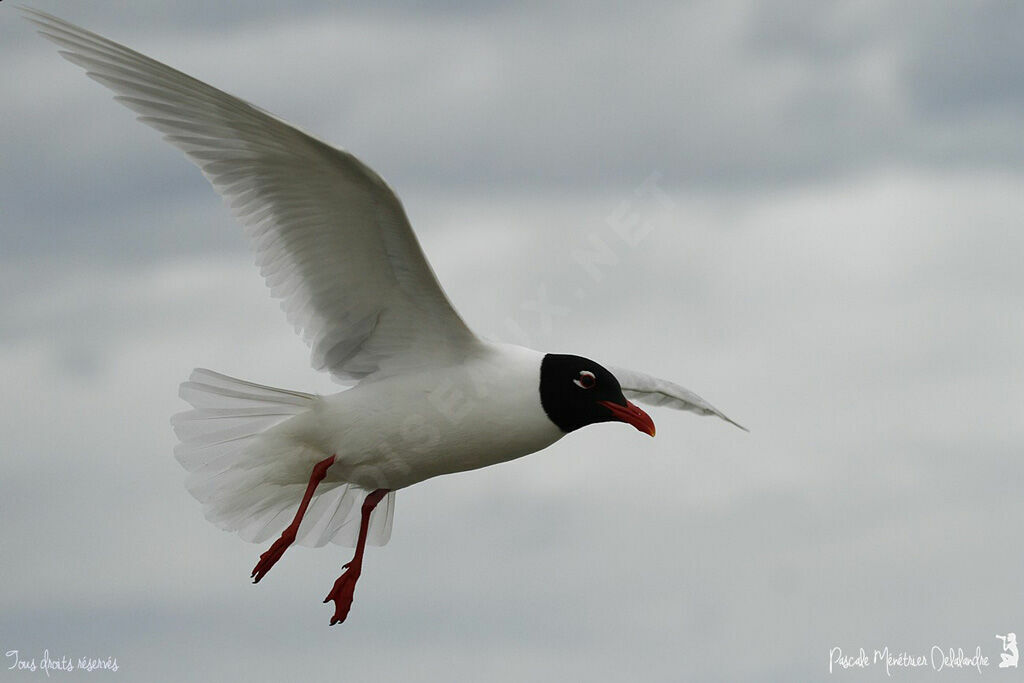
(586, 380)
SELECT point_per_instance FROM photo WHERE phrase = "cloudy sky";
(830, 197)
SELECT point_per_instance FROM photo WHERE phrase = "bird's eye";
(586, 379)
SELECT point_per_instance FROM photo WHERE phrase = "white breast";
(402, 430)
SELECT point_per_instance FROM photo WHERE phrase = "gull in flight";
(427, 396)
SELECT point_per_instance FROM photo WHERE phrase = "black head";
(576, 392)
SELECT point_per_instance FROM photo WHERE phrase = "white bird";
(333, 242)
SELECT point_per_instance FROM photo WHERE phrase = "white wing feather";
(332, 239)
(660, 392)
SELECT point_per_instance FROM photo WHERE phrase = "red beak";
(630, 414)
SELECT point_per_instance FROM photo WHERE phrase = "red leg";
(345, 586)
(275, 552)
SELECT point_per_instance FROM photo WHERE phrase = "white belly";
(399, 431)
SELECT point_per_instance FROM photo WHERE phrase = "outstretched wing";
(652, 391)
(332, 239)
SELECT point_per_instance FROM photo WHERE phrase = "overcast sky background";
(833, 192)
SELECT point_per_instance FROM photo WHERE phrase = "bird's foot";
(342, 593)
(269, 558)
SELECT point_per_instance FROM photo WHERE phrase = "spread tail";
(252, 485)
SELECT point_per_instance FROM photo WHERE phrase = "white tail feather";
(253, 485)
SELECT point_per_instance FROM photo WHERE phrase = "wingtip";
(45, 20)
(41, 20)
(732, 422)
(32, 12)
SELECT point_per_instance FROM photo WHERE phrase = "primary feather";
(332, 239)
(661, 392)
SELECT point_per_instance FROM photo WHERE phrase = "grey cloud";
(966, 63)
(720, 96)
